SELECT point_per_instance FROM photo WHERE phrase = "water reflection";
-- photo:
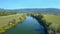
(29, 26)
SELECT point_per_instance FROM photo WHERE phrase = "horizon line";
(26, 8)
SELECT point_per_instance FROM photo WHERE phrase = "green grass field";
(55, 20)
(5, 19)
(7, 22)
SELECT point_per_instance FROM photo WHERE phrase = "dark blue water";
(29, 26)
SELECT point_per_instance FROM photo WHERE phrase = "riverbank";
(55, 20)
(29, 26)
(6, 22)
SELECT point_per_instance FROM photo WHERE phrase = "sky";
(17, 4)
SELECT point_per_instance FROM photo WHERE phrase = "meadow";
(55, 20)
(6, 22)
(5, 19)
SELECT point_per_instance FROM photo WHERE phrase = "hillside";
(38, 10)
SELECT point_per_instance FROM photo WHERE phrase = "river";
(28, 26)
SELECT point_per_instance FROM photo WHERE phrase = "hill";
(38, 10)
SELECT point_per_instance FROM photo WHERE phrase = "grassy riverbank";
(55, 20)
(7, 22)
(50, 21)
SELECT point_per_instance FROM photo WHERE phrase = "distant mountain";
(41, 10)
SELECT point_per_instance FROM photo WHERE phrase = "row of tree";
(4, 13)
(48, 28)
